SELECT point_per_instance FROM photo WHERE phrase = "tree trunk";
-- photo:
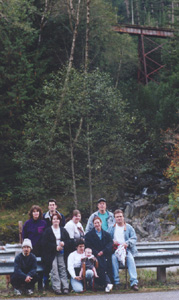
(87, 33)
(72, 146)
(68, 70)
(127, 7)
(48, 6)
(73, 169)
(137, 12)
(89, 170)
(132, 11)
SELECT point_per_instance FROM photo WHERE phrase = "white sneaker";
(17, 292)
(108, 287)
(30, 292)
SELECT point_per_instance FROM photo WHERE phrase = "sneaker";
(17, 292)
(108, 287)
(58, 292)
(135, 287)
(30, 292)
(65, 291)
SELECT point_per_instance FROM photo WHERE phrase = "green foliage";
(172, 173)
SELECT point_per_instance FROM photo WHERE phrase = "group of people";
(71, 256)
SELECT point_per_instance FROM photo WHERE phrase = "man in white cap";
(25, 267)
(105, 215)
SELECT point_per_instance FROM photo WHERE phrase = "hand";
(115, 243)
(62, 244)
(78, 278)
(28, 279)
(59, 248)
(100, 253)
(125, 245)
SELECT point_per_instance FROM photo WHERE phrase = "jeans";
(77, 285)
(131, 269)
(58, 273)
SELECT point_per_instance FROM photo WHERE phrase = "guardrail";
(159, 255)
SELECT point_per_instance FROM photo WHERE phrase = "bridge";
(149, 65)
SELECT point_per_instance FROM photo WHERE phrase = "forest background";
(75, 122)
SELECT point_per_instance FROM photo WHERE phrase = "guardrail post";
(161, 274)
(20, 232)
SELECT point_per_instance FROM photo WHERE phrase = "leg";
(17, 282)
(55, 279)
(95, 272)
(62, 272)
(77, 285)
(131, 269)
(115, 268)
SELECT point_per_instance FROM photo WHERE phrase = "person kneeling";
(25, 267)
(74, 267)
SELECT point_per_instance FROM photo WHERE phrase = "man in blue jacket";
(124, 234)
(105, 215)
(25, 267)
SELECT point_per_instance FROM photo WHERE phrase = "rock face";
(151, 220)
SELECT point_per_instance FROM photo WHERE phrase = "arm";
(62, 223)
(24, 231)
(89, 243)
(132, 238)
(33, 263)
(70, 229)
(17, 268)
(70, 265)
(108, 244)
(89, 225)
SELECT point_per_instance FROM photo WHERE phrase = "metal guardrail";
(157, 243)
(159, 255)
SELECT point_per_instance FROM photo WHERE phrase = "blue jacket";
(129, 236)
(90, 226)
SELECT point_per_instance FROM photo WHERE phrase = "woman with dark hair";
(101, 243)
(75, 229)
(54, 240)
(33, 228)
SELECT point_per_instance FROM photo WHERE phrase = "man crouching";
(25, 266)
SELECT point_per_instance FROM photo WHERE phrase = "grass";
(147, 283)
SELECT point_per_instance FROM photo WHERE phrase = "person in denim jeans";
(74, 267)
(124, 234)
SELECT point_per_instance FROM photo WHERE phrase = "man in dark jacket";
(25, 266)
(100, 242)
(52, 206)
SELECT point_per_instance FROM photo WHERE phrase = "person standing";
(75, 229)
(124, 234)
(52, 206)
(54, 240)
(101, 244)
(25, 270)
(105, 215)
(34, 228)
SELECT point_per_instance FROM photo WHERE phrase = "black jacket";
(49, 245)
(105, 244)
(25, 266)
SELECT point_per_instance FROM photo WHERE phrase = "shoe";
(108, 287)
(17, 292)
(135, 287)
(30, 292)
(65, 291)
(117, 287)
(58, 292)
